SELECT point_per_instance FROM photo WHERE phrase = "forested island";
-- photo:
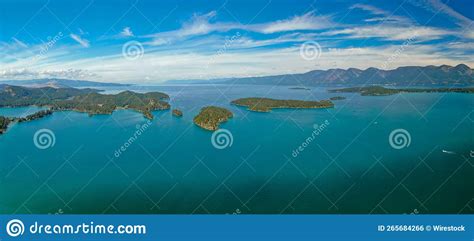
(267, 104)
(211, 117)
(82, 100)
(382, 91)
(337, 98)
(299, 88)
(177, 113)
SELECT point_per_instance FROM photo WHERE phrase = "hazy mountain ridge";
(459, 75)
(59, 83)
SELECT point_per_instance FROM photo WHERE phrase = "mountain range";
(444, 75)
(59, 83)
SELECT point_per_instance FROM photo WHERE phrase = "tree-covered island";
(211, 117)
(299, 88)
(267, 104)
(177, 113)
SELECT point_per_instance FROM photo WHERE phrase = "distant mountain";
(59, 83)
(460, 75)
(185, 82)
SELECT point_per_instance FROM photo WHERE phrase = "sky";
(146, 41)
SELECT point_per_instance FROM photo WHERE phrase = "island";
(82, 100)
(267, 104)
(177, 113)
(210, 117)
(337, 98)
(299, 88)
(382, 91)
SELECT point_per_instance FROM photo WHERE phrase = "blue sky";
(153, 41)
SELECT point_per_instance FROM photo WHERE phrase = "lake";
(262, 163)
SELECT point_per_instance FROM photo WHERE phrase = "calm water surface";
(172, 166)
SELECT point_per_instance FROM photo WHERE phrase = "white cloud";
(396, 27)
(81, 41)
(245, 56)
(126, 32)
(436, 6)
(392, 32)
(200, 25)
(385, 15)
(308, 21)
(23, 73)
(197, 25)
(246, 42)
(20, 43)
(158, 66)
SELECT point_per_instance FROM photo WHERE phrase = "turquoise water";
(20, 111)
(172, 167)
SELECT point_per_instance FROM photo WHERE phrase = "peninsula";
(211, 117)
(82, 100)
(267, 104)
(95, 103)
(382, 91)
(6, 121)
